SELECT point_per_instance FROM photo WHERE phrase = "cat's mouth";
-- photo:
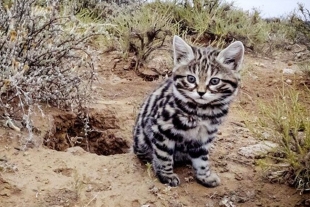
(201, 100)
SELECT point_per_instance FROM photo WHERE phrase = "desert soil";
(72, 176)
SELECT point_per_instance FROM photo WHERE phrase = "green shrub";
(217, 23)
(287, 119)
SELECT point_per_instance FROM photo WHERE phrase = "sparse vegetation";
(286, 118)
(300, 22)
(44, 58)
(216, 23)
(305, 67)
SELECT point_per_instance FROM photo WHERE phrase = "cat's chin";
(201, 101)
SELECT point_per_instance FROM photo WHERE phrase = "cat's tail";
(142, 146)
(143, 152)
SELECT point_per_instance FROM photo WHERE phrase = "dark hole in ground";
(95, 133)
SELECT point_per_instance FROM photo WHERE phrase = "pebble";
(225, 202)
(266, 135)
(76, 150)
(89, 188)
(288, 71)
(289, 81)
(260, 64)
(257, 150)
(126, 67)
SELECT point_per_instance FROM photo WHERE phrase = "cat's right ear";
(182, 52)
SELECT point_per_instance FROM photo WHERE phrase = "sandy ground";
(40, 176)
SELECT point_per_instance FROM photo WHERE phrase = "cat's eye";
(191, 79)
(214, 81)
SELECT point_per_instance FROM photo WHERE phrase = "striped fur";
(180, 119)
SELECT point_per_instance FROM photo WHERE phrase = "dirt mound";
(7, 189)
(93, 131)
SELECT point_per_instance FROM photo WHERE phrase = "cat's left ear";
(232, 56)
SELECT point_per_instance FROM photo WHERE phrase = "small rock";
(275, 80)
(154, 189)
(117, 60)
(257, 150)
(265, 135)
(89, 188)
(289, 63)
(289, 81)
(288, 71)
(238, 177)
(299, 55)
(126, 67)
(76, 150)
(189, 179)
(225, 202)
(259, 64)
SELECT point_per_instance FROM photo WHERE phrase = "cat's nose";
(201, 93)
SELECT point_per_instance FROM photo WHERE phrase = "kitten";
(180, 119)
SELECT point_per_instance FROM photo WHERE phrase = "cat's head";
(206, 75)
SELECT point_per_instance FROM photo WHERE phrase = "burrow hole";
(92, 131)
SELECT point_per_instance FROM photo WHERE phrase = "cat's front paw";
(171, 179)
(211, 181)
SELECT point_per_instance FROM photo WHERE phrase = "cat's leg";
(201, 165)
(181, 158)
(163, 150)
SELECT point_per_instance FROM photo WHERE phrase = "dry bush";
(300, 23)
(140, 29)
(44, 58)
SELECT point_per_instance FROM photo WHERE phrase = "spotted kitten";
(180, 119)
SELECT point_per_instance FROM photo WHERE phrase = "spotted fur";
(180, 119)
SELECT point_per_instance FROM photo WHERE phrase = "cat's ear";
(232, 56)
(182, 52)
